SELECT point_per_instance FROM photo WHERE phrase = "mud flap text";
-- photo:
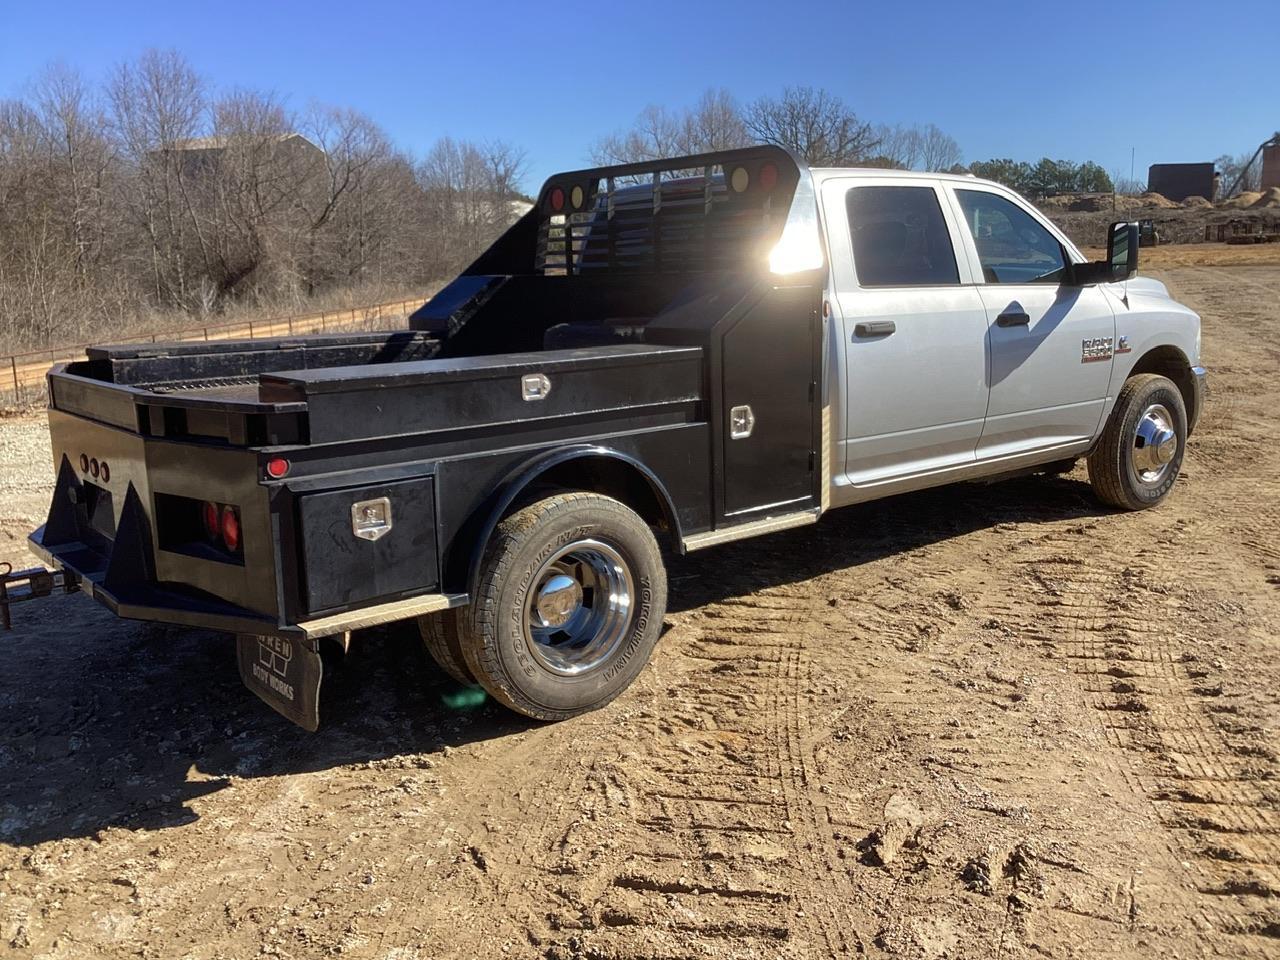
(286, 674)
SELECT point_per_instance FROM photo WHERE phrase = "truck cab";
(968, 342)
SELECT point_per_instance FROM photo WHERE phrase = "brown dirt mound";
(1269, 199)
(1196, 202)
(1158, 200)
(1242, 200)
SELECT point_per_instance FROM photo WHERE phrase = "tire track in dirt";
(1209, 791)
(722, 828)
(1199, 754)
(1075, 708)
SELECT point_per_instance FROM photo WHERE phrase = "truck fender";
(519, 480)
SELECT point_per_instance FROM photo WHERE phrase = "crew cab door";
(1050, 343)
(911, 329)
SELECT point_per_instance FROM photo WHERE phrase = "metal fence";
(22, 375)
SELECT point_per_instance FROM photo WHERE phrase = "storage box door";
(769, 360)
(366, 544)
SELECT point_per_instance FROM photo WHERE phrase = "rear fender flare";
(519, 480)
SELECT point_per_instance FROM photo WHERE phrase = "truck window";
(1012, 246)
(899, 237)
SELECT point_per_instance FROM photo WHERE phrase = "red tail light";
(212, 523)
(231, 528)
(768, 177)
(277, 467)
(557, 199)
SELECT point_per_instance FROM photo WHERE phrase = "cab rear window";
(899, 237)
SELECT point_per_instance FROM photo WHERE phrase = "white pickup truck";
(689, 351)
(974, 339)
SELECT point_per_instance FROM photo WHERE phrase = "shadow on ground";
(106, 724)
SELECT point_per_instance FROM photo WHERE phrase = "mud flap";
(285, 674)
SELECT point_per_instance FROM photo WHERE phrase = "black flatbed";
(638, 349)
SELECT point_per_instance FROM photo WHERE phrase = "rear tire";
(440, 637)
(568, 607)
(1139, 456)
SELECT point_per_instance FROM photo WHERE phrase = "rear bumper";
(1200, 387)
(164, 604)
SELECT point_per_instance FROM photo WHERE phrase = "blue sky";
(1018, 79)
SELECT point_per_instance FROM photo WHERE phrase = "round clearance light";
(105, 471)
(84, 463)
(231, 528)
(212, 523)
(557, 199)
(277, 467)
(93, 468)
(768, 177)
(739, 179)
(576, 197)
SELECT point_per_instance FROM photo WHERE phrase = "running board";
(340, 623)
(753, 528)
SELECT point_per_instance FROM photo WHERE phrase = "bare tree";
(149, 194)
(899, 146)
(1231, 167)
(917, 147)
(79, 157)
(713, 123)
(471, 196)
(158, 105)
(55, 167)
(654, 134)
(250, 189)
(351, 149)
(818, 126)
(1124, 184)
(938, 150)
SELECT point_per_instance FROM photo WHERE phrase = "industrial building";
(1177, 181)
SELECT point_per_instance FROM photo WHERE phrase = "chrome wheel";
(1155, 444)
(579, 607)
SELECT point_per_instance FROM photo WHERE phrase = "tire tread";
(479, 619)
(1107, 473)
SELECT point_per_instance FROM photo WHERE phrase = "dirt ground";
(1177, 223)
(1199, 255)
(984, 721)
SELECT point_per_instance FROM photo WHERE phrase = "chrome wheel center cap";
(558, 599)
(1155, 444)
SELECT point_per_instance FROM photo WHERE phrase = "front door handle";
(874, 328)
(1013, 318)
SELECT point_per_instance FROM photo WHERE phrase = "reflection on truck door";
(1048, 383)
(913, 333)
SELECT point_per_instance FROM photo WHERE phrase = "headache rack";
(682, 215)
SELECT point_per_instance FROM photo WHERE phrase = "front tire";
(1139, 456)
(568, 608)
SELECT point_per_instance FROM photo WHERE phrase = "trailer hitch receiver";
(30, 584)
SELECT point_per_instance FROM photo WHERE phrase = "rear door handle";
(874, 328)
(1013, 318)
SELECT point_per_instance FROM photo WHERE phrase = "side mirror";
(1122, 250)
